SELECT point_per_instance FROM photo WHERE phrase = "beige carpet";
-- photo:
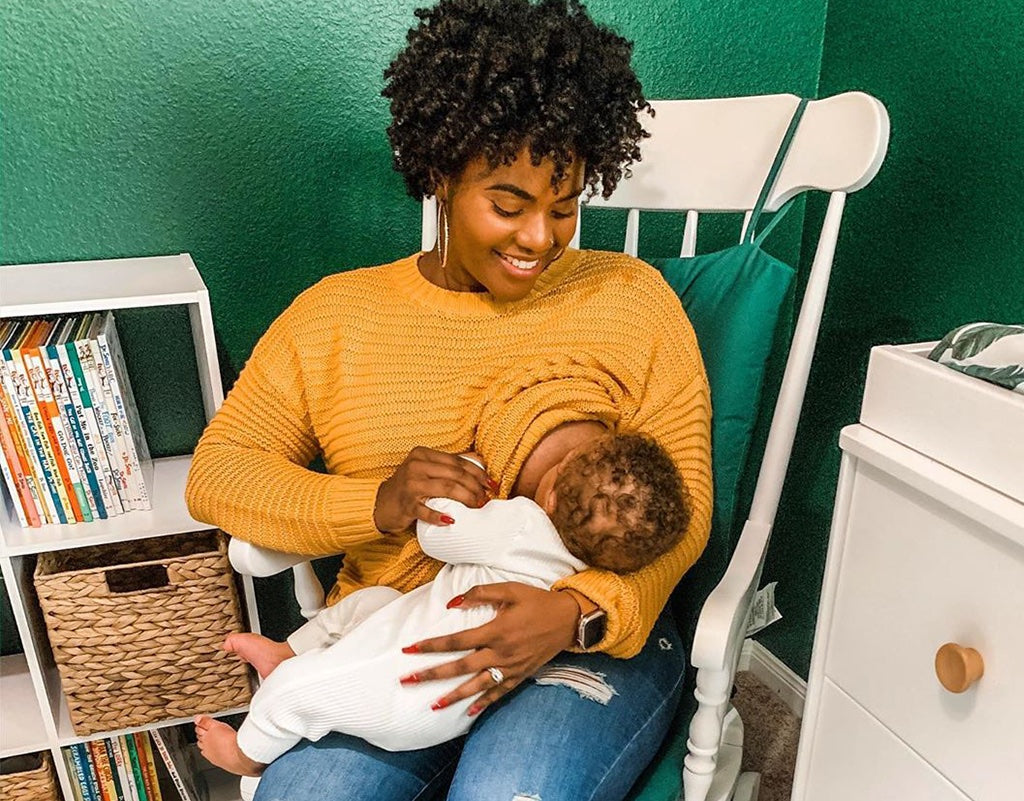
(771, 733)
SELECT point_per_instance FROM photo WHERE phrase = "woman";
(500, 340)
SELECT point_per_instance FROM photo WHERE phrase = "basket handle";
(139, 577)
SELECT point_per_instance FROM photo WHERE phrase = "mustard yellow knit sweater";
(368, 364)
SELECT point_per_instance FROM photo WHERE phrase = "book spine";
(77, 786)
(83, 772)
(106, 422)
(32, 430)
(91, 776)
(104, 772)
(91, 431)
(165, 754)
(145, 748)
(124, 770)
(76, 420)
(68, 487)
(34, 506)
(73, 434)
(119, 421)
(130, 747)
(124, 399)
(9, 458)
(115, 777)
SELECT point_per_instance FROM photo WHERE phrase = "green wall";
(935, 241)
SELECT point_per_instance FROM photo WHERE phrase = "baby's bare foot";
(218, 742)
(261, 652)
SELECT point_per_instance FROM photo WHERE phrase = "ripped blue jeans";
(545, 741)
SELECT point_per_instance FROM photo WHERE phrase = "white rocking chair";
(712, 156)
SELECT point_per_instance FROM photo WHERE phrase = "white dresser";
(926, 549)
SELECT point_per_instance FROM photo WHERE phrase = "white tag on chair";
(763, 611)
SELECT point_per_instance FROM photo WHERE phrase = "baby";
(616, 502)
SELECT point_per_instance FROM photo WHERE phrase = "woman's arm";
(250, 474)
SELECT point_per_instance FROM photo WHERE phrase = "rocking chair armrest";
(254, 560)
(721, 627)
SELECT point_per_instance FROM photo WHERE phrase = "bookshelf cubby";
(34, 709)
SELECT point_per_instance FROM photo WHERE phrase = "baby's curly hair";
(621, 503)
(488, 77)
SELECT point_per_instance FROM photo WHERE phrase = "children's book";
(83, 772)
(144, 748)
(134, 763)
(53, 438)
(104, 770)
(52, 402)
(90, 417)
(124, 770)
(108, 431)
(20, 392)
(18, 470)
(136, 451)
(77, 782)
(63, 395)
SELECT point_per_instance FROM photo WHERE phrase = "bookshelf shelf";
(80, 286)
(21, 705)
(66, 732)
(34, 710)
(169, 515)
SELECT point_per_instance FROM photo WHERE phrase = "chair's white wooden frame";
(712, 156)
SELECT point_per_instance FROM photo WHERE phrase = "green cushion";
(733, 297)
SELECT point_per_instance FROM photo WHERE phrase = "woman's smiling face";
(506, 225)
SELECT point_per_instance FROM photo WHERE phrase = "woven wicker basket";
(137, 627)
(28, 778)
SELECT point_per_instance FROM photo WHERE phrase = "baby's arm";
(478, 536)
(332, 623)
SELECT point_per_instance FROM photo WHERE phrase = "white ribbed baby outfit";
(349, 658)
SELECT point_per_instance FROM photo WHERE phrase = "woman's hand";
(530, 628)
(424, 474)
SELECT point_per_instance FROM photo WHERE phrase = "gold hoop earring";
(442, 241)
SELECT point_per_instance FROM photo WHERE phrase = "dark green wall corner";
(251, 135)
(933, 242)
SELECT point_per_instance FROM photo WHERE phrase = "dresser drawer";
(916, 574)
(855, 758)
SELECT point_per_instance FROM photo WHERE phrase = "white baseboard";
(775, 674)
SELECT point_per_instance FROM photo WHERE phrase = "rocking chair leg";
(712, 694)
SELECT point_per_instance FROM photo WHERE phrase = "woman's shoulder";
(335, 290)
(623, 279)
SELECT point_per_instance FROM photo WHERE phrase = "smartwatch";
(590, 629)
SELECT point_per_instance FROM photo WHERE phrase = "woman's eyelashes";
(558, 215)
(505, 212)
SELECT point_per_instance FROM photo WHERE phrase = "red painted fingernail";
(474, 710)
(447, 520)
(411, 649)
(412, 678)
(439, 704)
(456, 601)
(494, 485)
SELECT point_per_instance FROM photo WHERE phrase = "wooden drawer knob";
(958, 667)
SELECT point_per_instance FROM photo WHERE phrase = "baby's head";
(618, 502)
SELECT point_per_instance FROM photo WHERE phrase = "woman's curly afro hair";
(489, 77)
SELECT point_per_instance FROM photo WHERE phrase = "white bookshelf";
(32, 704)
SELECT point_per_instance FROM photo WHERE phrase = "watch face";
(592, 629)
